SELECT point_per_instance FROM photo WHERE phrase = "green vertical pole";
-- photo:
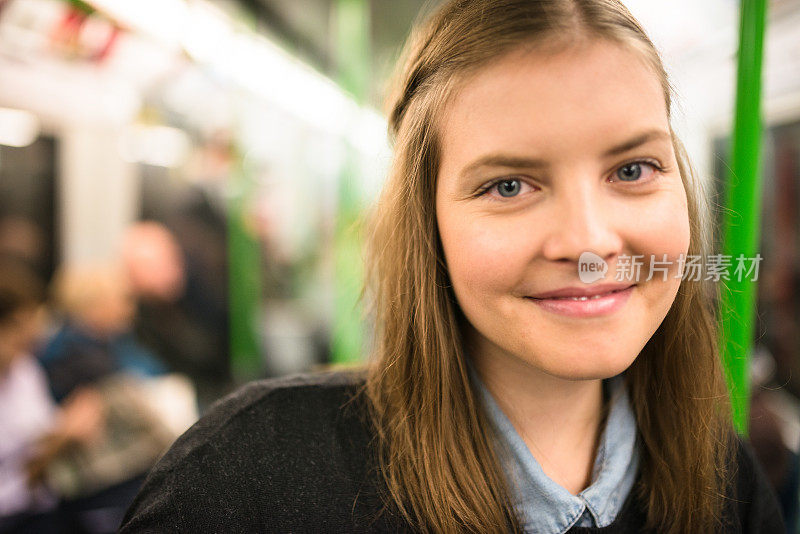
(742, 218)
(353, 46)
(244, 282)
(352, 31)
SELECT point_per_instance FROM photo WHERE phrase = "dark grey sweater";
(295, 455)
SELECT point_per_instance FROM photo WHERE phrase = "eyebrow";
(519, 162)
(637, 141)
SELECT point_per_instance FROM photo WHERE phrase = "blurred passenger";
(176, 317)
(98, 370)
(95, 339)
(154, 262)
(119, 436)
(26, 409)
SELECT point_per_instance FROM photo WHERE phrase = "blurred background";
(180, 185)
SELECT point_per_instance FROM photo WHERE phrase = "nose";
(582, 222)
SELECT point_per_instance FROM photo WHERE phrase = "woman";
(532, 139)
(27, 412)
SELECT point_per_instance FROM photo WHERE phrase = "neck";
(560, 420)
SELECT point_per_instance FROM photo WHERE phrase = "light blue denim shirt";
(541, 504)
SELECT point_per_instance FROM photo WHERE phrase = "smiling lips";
(600, 300)
(579, 292)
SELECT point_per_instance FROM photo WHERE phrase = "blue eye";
(630, 172)
(638, 171)
(508, 188)
(504, 188)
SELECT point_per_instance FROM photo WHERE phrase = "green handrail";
(741, 219)
(352, 31)
(244, 271)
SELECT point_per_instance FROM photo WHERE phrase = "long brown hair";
(435, 446)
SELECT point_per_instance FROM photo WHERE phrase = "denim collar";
(542, 505)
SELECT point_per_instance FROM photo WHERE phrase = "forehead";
(553, 105)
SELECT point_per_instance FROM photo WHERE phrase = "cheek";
(659, 227)
(481, 257)
(662, 230)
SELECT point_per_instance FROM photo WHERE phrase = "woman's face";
(580, 143)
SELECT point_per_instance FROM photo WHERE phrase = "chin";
(583, 370)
